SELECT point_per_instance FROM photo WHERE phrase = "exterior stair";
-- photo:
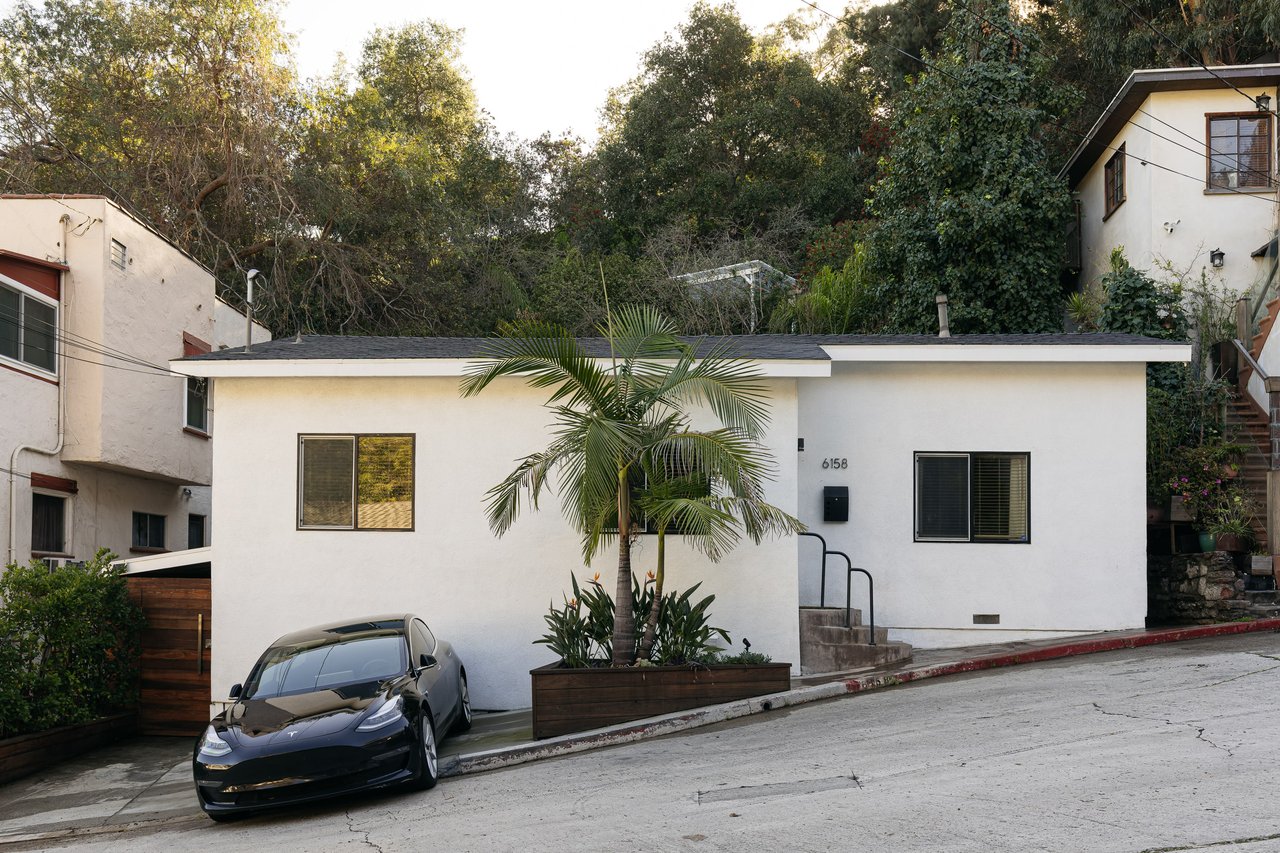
(826, 645)
(1248, 426)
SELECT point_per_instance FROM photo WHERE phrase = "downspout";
(65, 220)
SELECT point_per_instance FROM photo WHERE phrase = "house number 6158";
(832, 462)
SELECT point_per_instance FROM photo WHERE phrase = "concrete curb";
(666, 724)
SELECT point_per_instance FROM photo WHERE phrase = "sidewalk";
(146, 782)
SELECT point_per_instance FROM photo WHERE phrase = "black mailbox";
(835, 503)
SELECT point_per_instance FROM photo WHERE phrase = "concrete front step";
(818, 656)
(815, 617)
(826, 645)
(1262, 597)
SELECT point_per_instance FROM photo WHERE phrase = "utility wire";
(1104, 107)
(92, 346)
(1151, 26)
(1082, 134)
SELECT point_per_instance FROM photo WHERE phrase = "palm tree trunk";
(624, 621)
(651, 624)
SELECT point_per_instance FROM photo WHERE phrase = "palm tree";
(622, 441)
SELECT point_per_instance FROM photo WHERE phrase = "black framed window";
(48, 523)
(195, 530)
(1113, 180)
(1239, 150)
(28, 329)
(356, 482)
(148, 530)
(973, 497)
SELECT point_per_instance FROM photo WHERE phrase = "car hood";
(299, 716)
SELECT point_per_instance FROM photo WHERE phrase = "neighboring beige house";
(100, 445)
(1180, 170)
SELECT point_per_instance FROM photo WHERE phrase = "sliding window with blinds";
(973, 497)
(355, 482)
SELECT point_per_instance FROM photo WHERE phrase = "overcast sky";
(537, 65)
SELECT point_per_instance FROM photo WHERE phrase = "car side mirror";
(234, 692)
(427, 661)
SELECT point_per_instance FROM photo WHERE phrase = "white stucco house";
(1179, 169)
(101, 445)
(996, 490)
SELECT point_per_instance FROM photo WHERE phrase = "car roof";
(334, 631)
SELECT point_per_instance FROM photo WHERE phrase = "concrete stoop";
(826, 645)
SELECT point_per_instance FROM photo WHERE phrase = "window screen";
(973, 497)
(942, 496)
(328, 471)
(363, 482)
(198, 403)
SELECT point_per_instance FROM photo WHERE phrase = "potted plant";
(625, 452)
(685, 668)
(1198, 480)
(1230, 522)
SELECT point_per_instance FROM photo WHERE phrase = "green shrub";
(580, 632)
(71, 645)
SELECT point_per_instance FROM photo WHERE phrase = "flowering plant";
(1202, 480)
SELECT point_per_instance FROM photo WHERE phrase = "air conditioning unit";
(53, 562)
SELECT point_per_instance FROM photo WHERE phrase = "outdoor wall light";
(1264, 103)
(1217, 257)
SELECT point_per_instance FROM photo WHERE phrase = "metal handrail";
(822, 590)
(848, 588)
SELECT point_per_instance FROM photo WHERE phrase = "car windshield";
(324, 664)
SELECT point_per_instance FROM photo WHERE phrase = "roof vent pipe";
(944, 327)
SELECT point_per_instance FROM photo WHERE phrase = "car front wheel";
(429, 759)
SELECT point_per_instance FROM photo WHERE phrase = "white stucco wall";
(1084, 426)
(486, 595)
(1202, 220)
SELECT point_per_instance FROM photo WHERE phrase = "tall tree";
(721, 129)
(967, 204)
(615, 421)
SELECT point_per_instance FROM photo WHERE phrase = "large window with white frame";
(28, 327)
(973, 497)
(355, 482)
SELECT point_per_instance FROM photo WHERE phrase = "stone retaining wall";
(1192, 589)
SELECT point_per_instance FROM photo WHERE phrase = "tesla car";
(336, 708)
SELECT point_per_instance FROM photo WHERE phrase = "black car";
(332, 709)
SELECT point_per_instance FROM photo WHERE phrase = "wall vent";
(986, 618)
(119, 254)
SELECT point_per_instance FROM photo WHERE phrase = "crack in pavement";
(351, 827)
(1228, 842)
(1243, 674)
(1198, 729)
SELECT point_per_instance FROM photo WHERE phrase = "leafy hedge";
(70, 641)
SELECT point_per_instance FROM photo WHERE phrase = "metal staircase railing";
(848, 593)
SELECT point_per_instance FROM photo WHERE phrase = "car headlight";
(391, 711)
(212, 745)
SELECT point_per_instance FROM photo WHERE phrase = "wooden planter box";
(575, 700)
(26, 754)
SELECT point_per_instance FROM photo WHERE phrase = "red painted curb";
(1066, 649)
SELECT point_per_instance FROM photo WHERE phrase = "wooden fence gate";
(175, 654)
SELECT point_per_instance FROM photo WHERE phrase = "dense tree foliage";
(966, 204)
(379, 198)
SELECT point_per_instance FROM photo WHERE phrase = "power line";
(1195, 58)
(1104, 107)
(67, 337)
(1083, 135)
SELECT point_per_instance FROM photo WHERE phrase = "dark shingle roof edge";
(762, 347)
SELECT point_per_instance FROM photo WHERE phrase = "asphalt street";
(1167, 748)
